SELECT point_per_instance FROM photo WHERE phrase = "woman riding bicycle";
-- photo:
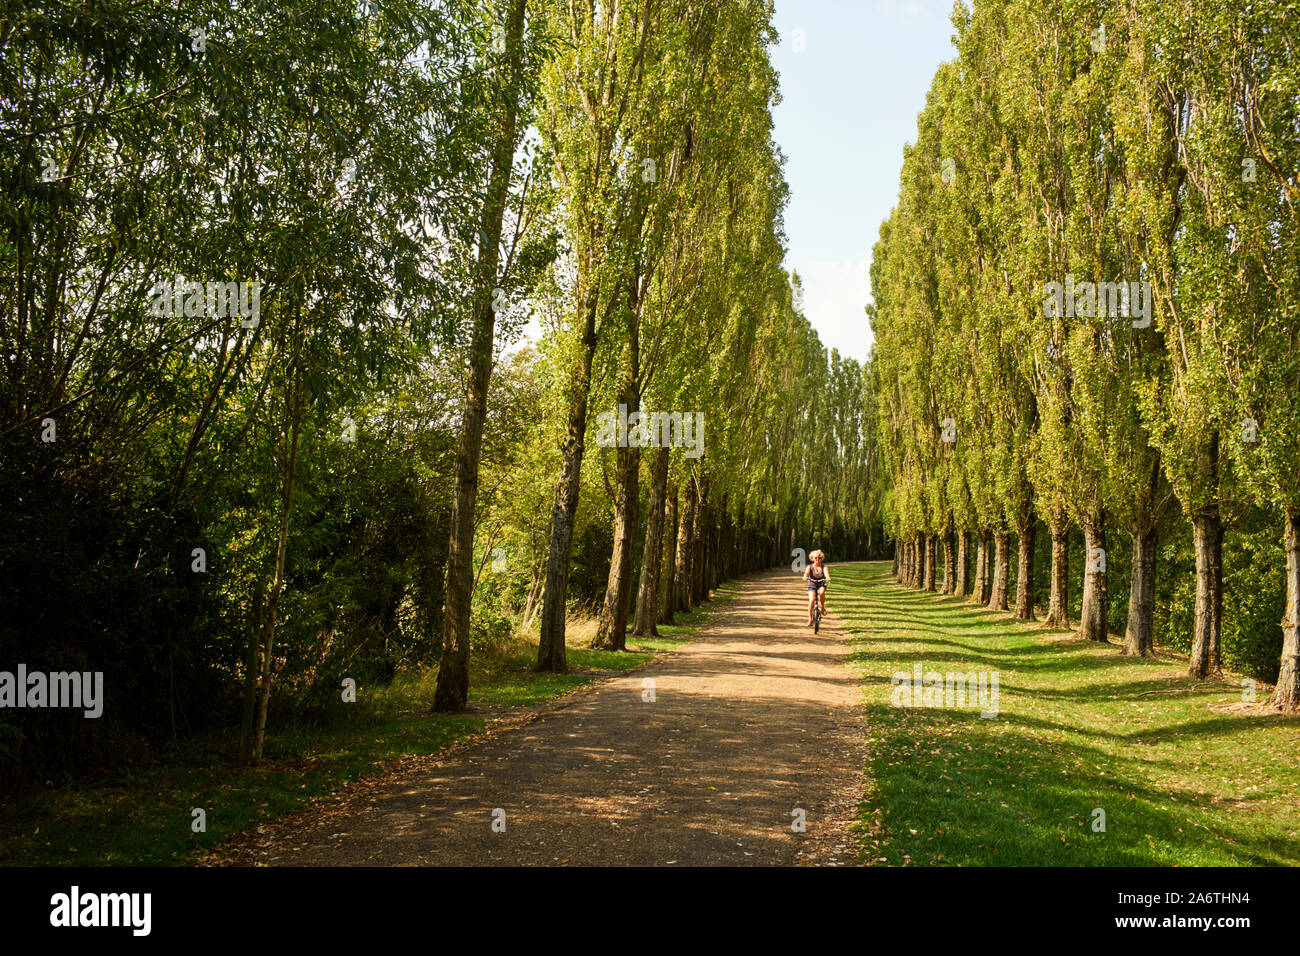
(818, 576)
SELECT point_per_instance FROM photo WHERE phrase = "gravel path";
(754, 718)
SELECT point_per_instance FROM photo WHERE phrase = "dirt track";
(754, 718)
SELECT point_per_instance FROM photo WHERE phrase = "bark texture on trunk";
(252, 672)
(1139, 634)
(1058, 605)
(699, 544)
(1207, 531)
(668, 576)
(1001, 571)
(961, 586)
(1025, 572)
(277, 584)
(453, 669)
(931, 547)
(980, 593)
(949, 563)
(685, 530)
(1286, 695)
(1096, 597)
(611, 630)
(647, 605)
(551, 652)
(722, 545)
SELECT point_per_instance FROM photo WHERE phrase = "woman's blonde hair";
(819, 553)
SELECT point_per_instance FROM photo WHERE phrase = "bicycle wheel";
(817, 617)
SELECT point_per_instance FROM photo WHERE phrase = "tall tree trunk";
(537, 578)
(668, 574)
(1139, 634)
(652, 556)
(1025, 571)
(295, 402)
(551, 651)
(719, 546)
(898, 562)
(611, 631)
(1207, 530)
(1058, 606)
(725, 568)
(1001, 571)
(252, 672)
(685, 529)
(989, 548)
(1286, 695)
(961, 587)
(699, 550)
(931, 552)
(453, 670)
(1095, 612)
(949, 562)
(980, 591)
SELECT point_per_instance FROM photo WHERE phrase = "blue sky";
(852, 83)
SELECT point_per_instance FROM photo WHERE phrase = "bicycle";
(817, 588)
(817, 608)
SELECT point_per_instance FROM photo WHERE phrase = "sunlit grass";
(1079, 728)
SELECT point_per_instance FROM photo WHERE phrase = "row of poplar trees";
(1154, 143)
(666, 189)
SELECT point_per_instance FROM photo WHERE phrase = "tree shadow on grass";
(981, 795)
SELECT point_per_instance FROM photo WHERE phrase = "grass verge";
(1079, 728)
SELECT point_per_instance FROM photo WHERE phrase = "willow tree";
(484, 302)
(218, 157)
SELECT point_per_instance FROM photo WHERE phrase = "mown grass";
(142, 815)
(1078, 728)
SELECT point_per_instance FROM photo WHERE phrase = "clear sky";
(854, 74)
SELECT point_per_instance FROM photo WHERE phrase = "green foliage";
(1153, 143)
